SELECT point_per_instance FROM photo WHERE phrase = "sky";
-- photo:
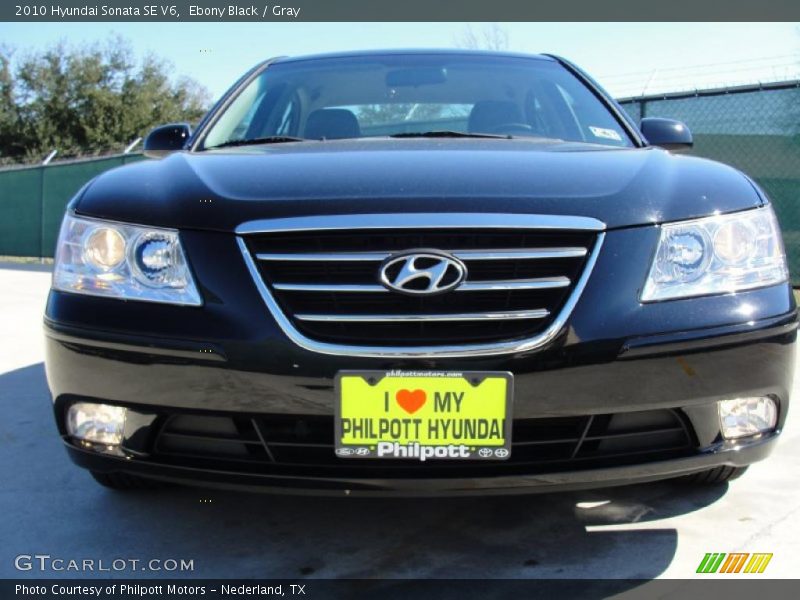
(629, 59)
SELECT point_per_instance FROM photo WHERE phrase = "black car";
(419, 272)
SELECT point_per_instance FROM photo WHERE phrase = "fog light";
(747, 416)
(96, 423)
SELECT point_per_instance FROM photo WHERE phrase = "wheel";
(124, 482)
(716, 475)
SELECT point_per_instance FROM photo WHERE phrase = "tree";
(8, 110)
(88, 100)
(492, 37)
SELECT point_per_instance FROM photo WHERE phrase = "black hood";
(220, 189)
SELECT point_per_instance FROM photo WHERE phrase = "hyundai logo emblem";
(422, 272)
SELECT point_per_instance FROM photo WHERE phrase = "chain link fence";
(753, 128)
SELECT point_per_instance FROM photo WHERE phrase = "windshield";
(408, 94)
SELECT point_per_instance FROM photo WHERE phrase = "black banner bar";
(398, 10)
(709, 588)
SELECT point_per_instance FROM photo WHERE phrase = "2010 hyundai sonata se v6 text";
(419, 272)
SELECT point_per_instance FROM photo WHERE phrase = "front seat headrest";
(332, 124)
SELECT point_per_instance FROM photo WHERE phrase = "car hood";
(220, 189)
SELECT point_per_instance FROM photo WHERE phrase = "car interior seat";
(487, 115)
(332, 124)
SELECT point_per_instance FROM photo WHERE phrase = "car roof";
(411, 51)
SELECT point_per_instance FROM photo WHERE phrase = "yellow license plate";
(423, 415)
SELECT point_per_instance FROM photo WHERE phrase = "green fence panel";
(20, 212)
(32, 202)
(634, 109)
(61, 182)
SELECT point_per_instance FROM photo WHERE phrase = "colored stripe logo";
(735, 562)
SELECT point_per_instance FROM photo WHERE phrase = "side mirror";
(166, 139)
(667, 133)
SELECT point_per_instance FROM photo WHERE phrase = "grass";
(26, 260)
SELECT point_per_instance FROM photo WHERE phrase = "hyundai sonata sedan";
(419, 272)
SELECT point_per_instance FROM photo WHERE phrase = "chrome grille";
(322, 282)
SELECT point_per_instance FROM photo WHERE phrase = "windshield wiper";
(449, 134)
(270, 139)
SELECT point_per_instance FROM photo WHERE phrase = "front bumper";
(684, 373)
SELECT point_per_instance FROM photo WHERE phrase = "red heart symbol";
(410, 401)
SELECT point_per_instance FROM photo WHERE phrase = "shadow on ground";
(49, 506)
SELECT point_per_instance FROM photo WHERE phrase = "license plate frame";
(412, 382)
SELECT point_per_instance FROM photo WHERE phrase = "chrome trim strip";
(541, 283)
(460, 254)
(317, 257)
(468, 286)
(446, 351)
(330, 287)
(512, 254)
(421, 221)
(512, 315)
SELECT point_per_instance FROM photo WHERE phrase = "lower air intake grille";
(304, 444)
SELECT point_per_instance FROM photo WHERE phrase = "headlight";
(717, 255)
(102, 258)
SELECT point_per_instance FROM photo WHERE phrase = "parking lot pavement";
(48, 506)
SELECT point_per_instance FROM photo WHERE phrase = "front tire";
(124, 482)
(716, 476)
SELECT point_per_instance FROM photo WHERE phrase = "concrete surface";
(661, 530)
